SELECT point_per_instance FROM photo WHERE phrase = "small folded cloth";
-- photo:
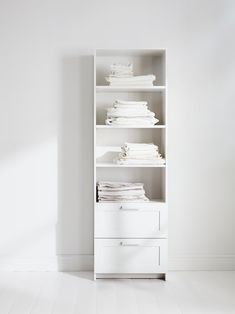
(135, 153)
(120, 192)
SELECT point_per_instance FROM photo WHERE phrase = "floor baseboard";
(84, 262)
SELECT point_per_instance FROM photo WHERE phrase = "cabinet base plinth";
(131, 276)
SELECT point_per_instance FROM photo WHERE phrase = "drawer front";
(131, 221)
(130, 256)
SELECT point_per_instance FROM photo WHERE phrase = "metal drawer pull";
(128, 209)
(129, 244)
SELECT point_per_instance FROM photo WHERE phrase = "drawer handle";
(129, 244)
(128, 209)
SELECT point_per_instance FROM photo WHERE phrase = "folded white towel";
(118, 112)
(131, 121)
(153, 161)
(120, 192)
(140, 78)
(112, 184)
(131, 107)
(139, 153)
(130, 102)
(122, 200)
(139, 146)
(131, 84)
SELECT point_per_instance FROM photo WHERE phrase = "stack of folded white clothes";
(143, 154)
(122, 75)
(130, 113)
(121, 192)
(121, 70)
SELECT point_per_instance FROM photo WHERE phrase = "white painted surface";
(69, 293)
(46, 98)
(131, 256)
(138, 220)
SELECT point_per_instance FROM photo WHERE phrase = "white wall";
(46, 125)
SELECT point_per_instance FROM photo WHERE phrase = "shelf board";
(103, 126)
(129, 88)
(151, 201)
(112, 165)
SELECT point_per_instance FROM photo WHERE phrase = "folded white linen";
(153, 161)
(120, 192)
(131, 84)
(141, 78)
(130, 113)
(118, 69)
(139, 153)
(112, 184)
(140, 146)
(130, 102)
(134, 199)
(118, 112)
(131, 107)
(130, 121)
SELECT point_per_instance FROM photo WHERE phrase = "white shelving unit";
(130, 239)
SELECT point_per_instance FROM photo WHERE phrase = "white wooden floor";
(70, 293)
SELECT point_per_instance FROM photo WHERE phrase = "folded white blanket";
(130, 102)
(120, 192)
(140, 78)
(139, 146)
(118, 112)
(120, 199)
(131, 107)
(112, 184)
(130, 121)
(131, 84)
(139, 154)
(153, 161)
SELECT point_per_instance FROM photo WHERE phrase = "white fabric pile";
(121, 192)
(121, 70)
(130, 113)
(136, 154)
(122, 75)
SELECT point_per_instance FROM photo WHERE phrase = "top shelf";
(100, 89)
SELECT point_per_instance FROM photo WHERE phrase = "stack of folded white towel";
(122, 75)
(144, 154)
(121, 192)
(130, 113)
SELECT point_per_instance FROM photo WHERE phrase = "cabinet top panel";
(129, 52)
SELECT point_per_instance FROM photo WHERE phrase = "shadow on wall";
(75, 160)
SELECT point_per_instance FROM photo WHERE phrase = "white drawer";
(130, 256)
(131, 220)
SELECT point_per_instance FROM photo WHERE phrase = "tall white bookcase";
(130, 239)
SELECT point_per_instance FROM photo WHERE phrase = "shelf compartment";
(144, 63)
(156, 103)
(153, 178)
(110, 140)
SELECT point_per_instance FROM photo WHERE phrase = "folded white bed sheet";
(120, 192)
(140, 154)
